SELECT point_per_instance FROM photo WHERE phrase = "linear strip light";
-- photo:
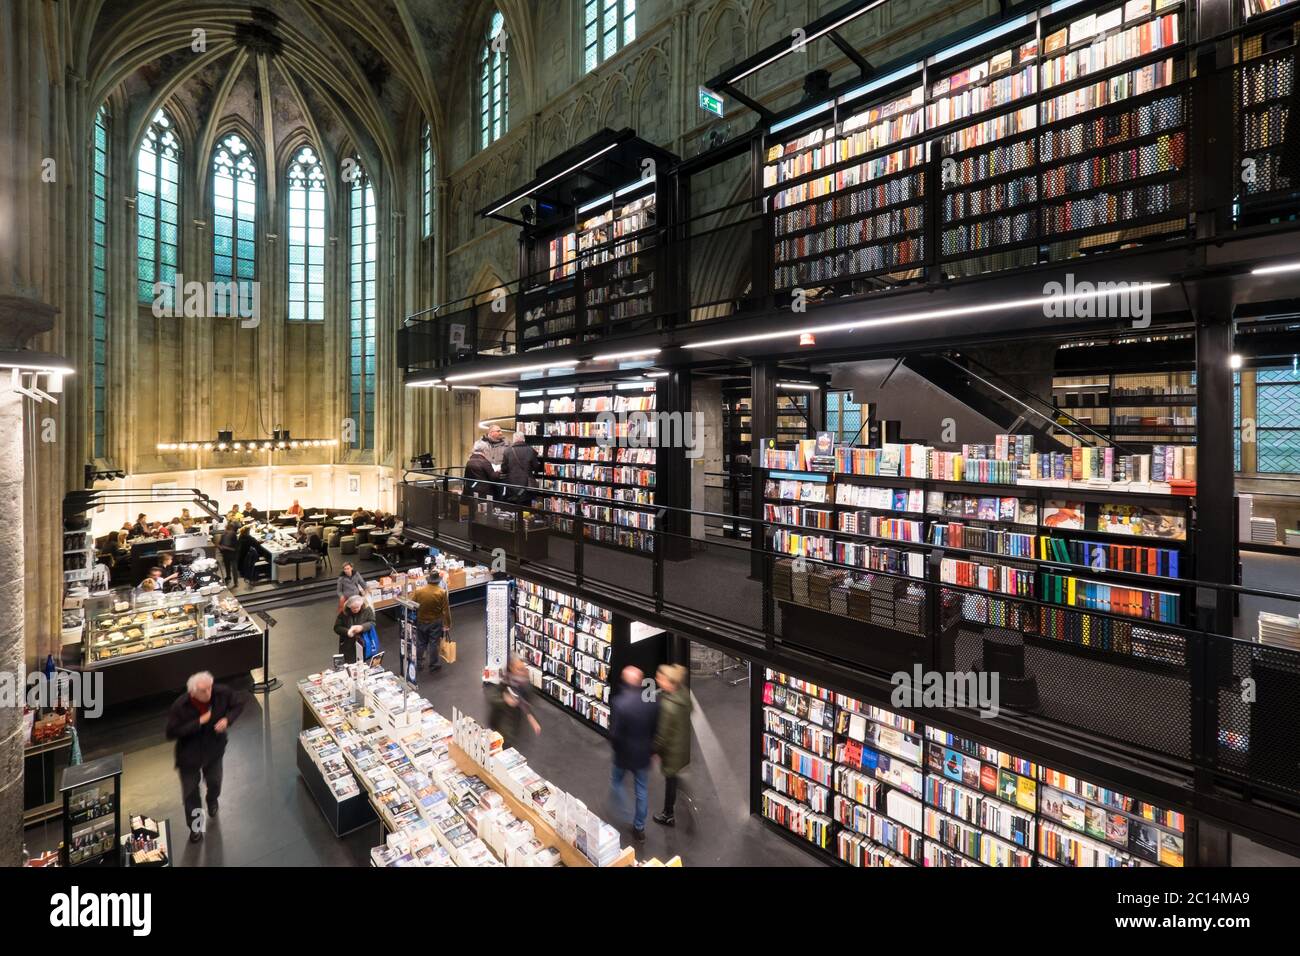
(791, 48)
(991, 34)
(466, 388)
(799, 386)
(512, 370)
(424, 383)
(615, 356)
(1274, 270)
(800, 117)
(876, 84)
(532, 189)
(637, 383)
(957, 311)
(656, 374)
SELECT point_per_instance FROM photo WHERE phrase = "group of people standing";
(500, 470)
(649, 721)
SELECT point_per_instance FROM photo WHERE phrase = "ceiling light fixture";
(955, 312)
(1275, 269)
(637, 353)
(510, 370)
(806, 40)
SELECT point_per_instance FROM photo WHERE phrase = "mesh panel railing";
(1230, 705)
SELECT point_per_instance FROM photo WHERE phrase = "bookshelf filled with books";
(1265, 81)
(593, 272)
(1080, 558)
(1131, 409)
(869, 786)
(1061, 134)
(596, 440)
(567, 645)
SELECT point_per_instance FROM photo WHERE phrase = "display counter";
(445, 791)
(150, 643)
(463, 583)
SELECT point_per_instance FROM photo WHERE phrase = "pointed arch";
(158, 209)
(307, 200)
(235, 219)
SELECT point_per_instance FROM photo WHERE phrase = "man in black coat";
(352, 621)
(199, 721)
(633, 717)
(519, 468)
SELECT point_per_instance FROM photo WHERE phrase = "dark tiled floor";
(268, 817)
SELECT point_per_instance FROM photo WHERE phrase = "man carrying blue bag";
(356, 622)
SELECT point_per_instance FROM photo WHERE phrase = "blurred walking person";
(633, 717)
(198, 721)
(672, 743)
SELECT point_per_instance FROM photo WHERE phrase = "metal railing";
(1221, 703)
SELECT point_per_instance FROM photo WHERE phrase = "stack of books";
(1279, 630)
(1263, 530)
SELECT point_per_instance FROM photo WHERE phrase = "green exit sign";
(710, 102)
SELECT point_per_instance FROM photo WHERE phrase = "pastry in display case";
(91, 812)
(126, 624)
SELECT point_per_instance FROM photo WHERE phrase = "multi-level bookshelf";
(1131, 409)
(1060, 134)
(1265, 80)
(871, 787)
(1089, 549)
(584, 454)
(567, 645)
(593, 272)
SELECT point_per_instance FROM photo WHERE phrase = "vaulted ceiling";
(354, 71)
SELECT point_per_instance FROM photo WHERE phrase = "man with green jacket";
(672, 743)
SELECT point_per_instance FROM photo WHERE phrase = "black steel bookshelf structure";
(575, 650)
(947, 201)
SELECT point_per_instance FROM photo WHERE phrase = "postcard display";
(1067, 136)
(870, 787)
(583, 454)
(442, 788)
(1110, 533)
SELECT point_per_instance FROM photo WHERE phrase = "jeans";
(641, 781)
(190, 792)
(426, 634)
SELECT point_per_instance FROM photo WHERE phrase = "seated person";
(141, 527)
(170, 571)
(153, 584)
(295, 509)
(177, 527)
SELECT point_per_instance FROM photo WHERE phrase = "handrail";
(763, 524)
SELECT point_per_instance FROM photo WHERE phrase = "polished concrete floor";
(268, 817)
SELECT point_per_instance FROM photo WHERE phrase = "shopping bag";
(448, 652)
(369, 643)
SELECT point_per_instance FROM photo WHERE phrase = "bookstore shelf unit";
(574, 650)
(592, 440)
(1263, 87)
(1053, 135)
(867, 786)
(1131, 408)
(1077, 560)
(593, 261)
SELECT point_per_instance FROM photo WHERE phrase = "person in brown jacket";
(432, 623)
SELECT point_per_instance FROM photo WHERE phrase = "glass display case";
(127, 623)
(92, 812)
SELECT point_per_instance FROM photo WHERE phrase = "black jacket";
(632, 721)
(198, 745)
(519, 467)
(480, 477)
(345, 620)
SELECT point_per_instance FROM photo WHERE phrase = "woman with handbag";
(356, 618)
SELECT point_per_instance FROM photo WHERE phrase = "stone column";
(12, 656)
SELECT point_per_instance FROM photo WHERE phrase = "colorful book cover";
(1007, 785)
(1064, 515)
(988, 778)
(1073, 812)
(1026, 793)
(952, 765)
(1117, 829)
(936, 760)
(1171, 849)
(1094, 822)
(1055, 41)
(1007, 509)
(970, 772)
(987, 509)
(1028, 50)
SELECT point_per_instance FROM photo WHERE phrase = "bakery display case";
(124, 624)
(148, 643)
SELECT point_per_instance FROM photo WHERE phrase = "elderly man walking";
(633, 715)
(199, 721)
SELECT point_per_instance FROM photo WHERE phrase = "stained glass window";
(608, 25)
(157, 208)
(306, 237)
(362, 316)
(234, 225)
(99, 272)
(494, 78)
